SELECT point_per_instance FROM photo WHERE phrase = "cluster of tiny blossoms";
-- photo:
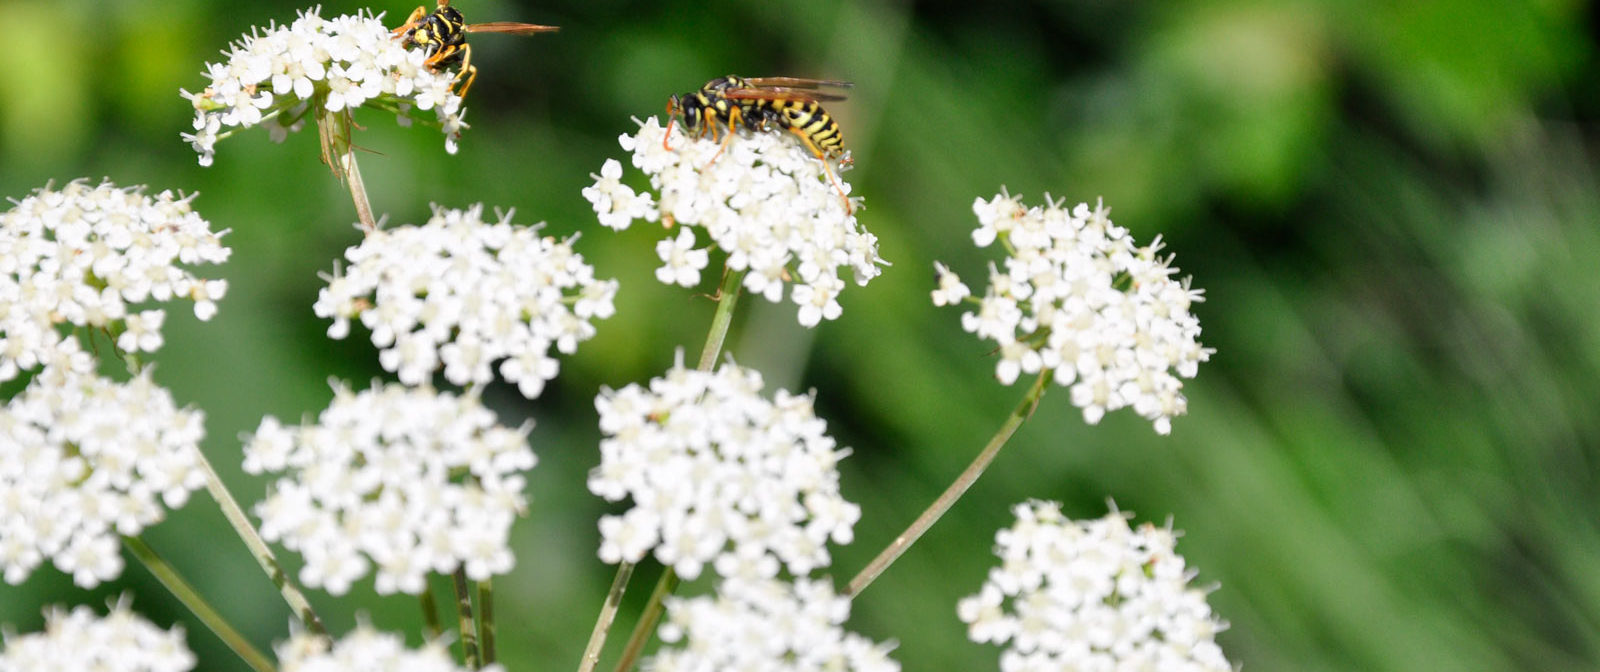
(338, 64)
(765, 201)
(464, 293)
(84, 459)
(409, 479)
(1077, 297)
(1092, 595)
(718, 473)
(79, 256)
(760, 625)
(365, 649)
(78, 640)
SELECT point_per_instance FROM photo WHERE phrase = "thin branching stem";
(648, 620)
(180, 588)
(430, 612)
(903, 542)
(608, 615)
(469, 627)
(486, 619)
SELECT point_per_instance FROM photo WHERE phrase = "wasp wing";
(796, 82)
(781, 93)
(511, 27)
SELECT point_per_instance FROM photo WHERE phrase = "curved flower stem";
(469, 629)
(197, 605)
(608, 614)
(897, 548)
(333, 129)
(727, 298)
(358, 190)
(647, 620)
(486, 619)
(258, 548)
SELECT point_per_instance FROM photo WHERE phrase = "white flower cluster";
(80, 641)
(340, 63)
(411, 480)
(1092, 595)
(365, 650)
(1077, 297)
(719, 474)
(79, 256)
(465, 294)
(765, 201)
(761, 625)
(84, 459)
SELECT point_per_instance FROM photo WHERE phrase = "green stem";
(333, 129)
(727, 298)
(894, 550)
(258, 548)
(186, 594)
(608, 614)
(430, 612)
(486, 619)
(469, 629)
(647, 620)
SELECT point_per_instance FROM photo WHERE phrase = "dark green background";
(1390, 463)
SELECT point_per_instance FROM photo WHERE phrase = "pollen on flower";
(464, 294)
(273, 76)
(1094, 594)
(408, 480)
(86, 256)
(763, 200)
(1076, 296)
(719, 474)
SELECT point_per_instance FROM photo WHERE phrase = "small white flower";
(764, 200)
(365, 649)
(86, 459)
(1093, 594)
(682, 263)
(277, 72)
(466, 294)
(1076, 296)
(83, 256)
(718, 475)
(121, 641)
(766, 624)
(409, 480)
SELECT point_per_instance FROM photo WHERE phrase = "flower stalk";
(180, 588)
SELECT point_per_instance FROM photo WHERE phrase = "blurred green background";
(1389, 464)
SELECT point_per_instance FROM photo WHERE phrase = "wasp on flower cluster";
(442, 34)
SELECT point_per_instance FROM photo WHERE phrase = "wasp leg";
(468, 70)
(411, 21)
(826, 168)
(735, 117)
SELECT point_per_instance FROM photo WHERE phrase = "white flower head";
(766, 624)
(410, 480)
(121, 641)
(719, 474)
(84, 459)
(365, 649)
(1093, 594)
(90, 256)
(275, 75)
(762, 199)
(1074, 295)
(464, 294)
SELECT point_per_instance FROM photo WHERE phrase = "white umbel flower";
(80, 641)
(87, 256)
(410, 480)
(365, 650)
(84, 459)
(272, 76)
(464, 294)
(1076, 296)
(764, 201)
(757, 625)
(718, 474)
(1092, 595)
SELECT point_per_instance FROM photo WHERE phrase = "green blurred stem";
(937, 510)
(486, 619)
(258, 548)
(430, 611)
(608, 615)
(169, 577)
(333, 128)
(727, 298)
(469, 628)
(647, 620)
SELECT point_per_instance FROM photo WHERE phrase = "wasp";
(762, 104)
(442, 34)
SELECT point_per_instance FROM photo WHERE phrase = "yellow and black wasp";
(442, 34)
(760, 104)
